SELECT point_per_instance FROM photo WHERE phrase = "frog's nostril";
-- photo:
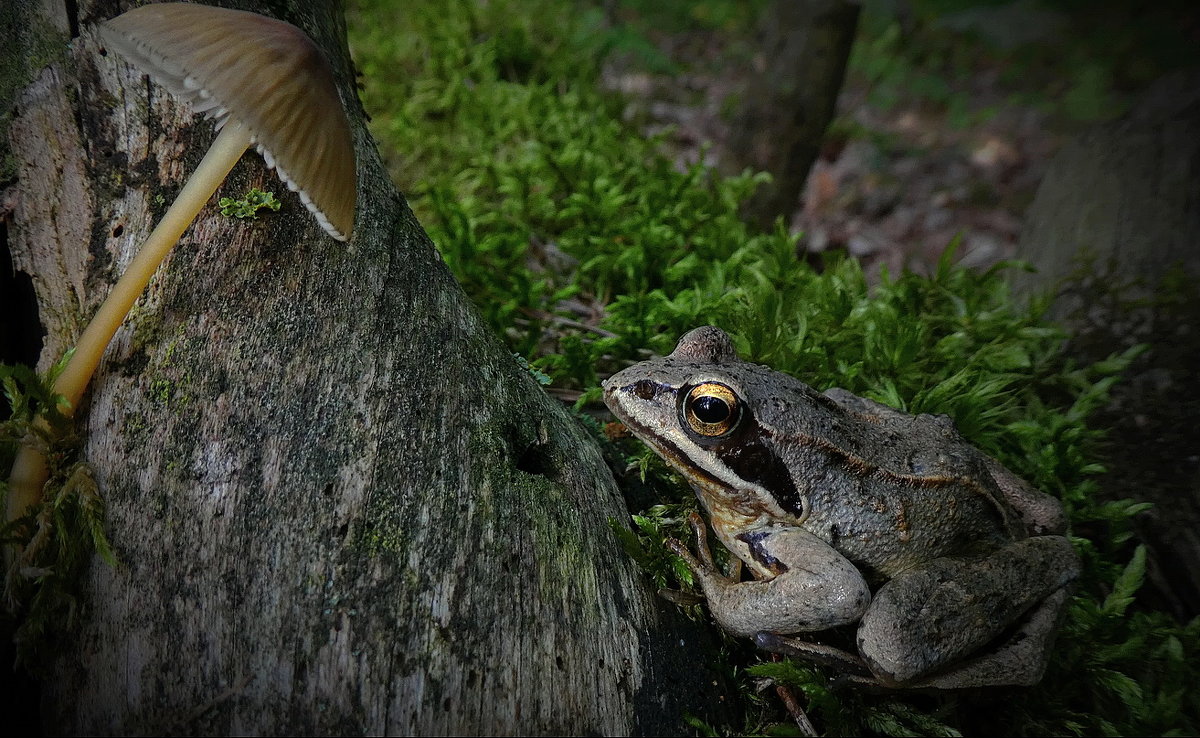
(645, 389)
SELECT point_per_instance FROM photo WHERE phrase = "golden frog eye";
(711, 409)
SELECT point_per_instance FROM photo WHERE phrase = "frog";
(840, 511)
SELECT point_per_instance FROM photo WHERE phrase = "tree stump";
(338, 502)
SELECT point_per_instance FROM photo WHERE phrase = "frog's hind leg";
(927, 620)
(1019, 661)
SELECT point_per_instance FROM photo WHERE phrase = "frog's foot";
(845, 662)
(702, 565)
(700, 531)
(679, 597)
(1019, 661)
(815, 587)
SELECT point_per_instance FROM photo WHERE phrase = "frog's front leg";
(925, 622)
(814, 587)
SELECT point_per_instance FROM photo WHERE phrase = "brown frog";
(848, 511)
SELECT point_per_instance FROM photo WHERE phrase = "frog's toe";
(677, 597)
(844, 661)
(680, 549)
(700, 531)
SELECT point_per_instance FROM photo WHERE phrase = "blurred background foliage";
(588, 246)
(1082, 60)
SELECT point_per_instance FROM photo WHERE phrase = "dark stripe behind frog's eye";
(711, 410)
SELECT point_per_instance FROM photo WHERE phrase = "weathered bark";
(339, 505)
(787, 105)
(1123, 196)
(1115, 227)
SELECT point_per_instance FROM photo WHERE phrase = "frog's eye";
(711, 409)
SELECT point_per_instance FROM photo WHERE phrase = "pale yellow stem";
(228, 147)
(29, 468)
(29, 472)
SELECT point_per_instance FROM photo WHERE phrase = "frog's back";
(924, 447)
(887, 489)
(887, 524)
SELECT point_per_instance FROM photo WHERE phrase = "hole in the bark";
(118, 231)
(72, 8)
(535, 459)
(21, 330)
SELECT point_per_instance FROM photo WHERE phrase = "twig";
(797, 712)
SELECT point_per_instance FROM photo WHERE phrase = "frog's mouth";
(649, 392)
(696, 475)
(730, 507)
(716, 493)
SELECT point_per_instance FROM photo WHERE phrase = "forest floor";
(919, 153)
(893, 186)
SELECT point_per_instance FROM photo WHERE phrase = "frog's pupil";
(709, 409)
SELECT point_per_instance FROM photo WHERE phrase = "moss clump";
(247, 206)
(47, 548)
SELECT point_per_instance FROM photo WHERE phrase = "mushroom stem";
(29, 470)
(29, 473)
(226, 149)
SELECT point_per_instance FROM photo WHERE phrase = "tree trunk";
(339, 504)
(788, 104)
(1115, 229)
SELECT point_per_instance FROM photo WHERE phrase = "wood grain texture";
(339, 505)
(787, 104)
(1114, 233)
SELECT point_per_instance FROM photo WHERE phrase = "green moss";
(160, 390)
(31, 44)
(58, 536)
(147, 327)
(135, 423)
(379, 534)
(171, 376)
(585, 247)
(247, 206)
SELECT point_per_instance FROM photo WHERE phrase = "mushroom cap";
(265, 73)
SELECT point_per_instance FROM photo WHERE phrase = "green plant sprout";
(58, 535)
(248, 205)
(538, 375)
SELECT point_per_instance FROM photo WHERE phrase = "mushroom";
(267, 85)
